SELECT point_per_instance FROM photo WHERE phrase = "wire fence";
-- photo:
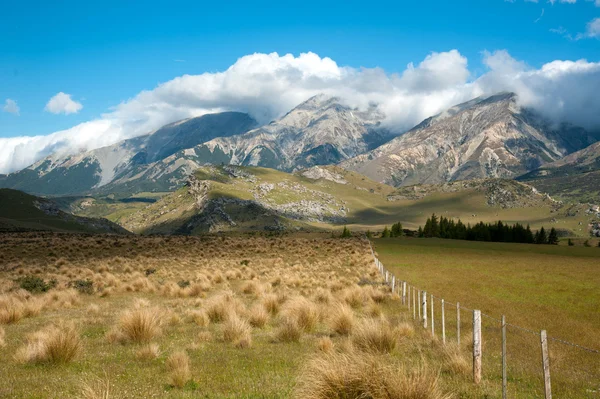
(521, 362)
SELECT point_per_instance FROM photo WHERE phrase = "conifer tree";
(553, 237)
(396, 230)
(541, 237)
(385, 233)
(346, 233)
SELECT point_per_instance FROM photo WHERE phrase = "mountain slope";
(23, 212)
(574, 177)
(234, 198)
(319, 131)
(483, 138)
(84, 172)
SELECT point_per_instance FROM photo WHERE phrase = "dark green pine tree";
(369, 234)
(553, 237)
(541, 237)
(396, 230)
(346, 233)
(420, 232)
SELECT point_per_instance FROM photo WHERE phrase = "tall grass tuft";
(141, 325)
(343, 319)
(53, 344)
(362, 375)
(375, 336)
(237, 331)
(178, 364)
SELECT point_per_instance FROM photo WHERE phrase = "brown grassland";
(218, 317)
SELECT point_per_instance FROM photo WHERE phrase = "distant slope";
(483, 138)
(575, 177)
(233, 198)
(92, 170)
(23, 212)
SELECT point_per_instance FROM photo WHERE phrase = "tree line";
(443, 227)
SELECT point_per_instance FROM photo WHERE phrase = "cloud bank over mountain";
(268, 85)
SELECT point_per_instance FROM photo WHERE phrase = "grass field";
(214, 317)
(556, 288)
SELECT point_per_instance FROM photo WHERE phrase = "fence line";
(405, 290)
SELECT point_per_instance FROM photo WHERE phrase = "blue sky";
(105, 53)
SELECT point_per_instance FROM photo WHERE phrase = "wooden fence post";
(504, 375)
(409, 298)
(477, 346)
(424, 309)
(404, 294)
(393, 284)
(443, 324)
(432, 317)
(458, 323)
(546, 365)
(419, 296)
(414, 304)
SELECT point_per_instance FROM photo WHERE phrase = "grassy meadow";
(556, 288)
(215, 317)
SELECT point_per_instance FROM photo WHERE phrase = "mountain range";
(487, 137)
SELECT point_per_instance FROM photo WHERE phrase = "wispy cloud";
(11, 107)
(62, 103)
(540, 17)
(592, 31)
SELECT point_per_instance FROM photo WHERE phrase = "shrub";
(375, 336)
(141, 325)
(360, 375)
(35, 284)
(178, 365)
(83, 286)
(183, 283)
(53, 344)
(149, 271)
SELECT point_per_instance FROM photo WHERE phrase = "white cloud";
(592, 31)
(269, 85)
(11, 107)
(62, 103)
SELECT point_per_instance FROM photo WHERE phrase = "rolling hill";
(24, 212)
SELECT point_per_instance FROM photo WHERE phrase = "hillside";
(484, 138)
(575, 177)
(233, 198)
(23, 212)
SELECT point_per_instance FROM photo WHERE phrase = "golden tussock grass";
(288, 331)
(342, 319)
(325, 344)
(148, 352)
(54, 344)
(303, 312)
(454, 360)
(271, 304)
(223, 306)
(200, 317)
(258, 316)
(140, 325)
(238, 332)
(178, 365)
(361, 375)
(95, 388)
(375, 336)
(2, 337)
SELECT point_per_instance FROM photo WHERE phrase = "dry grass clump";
(252, 288)
(288, 331)
(178, 364)
(95, 389)
(271, 304)
(454, 361)
(354, 296)
(53, 344)
(148, 352)
(258, 317)
(221, 307)
(323, 296)
(303, 312)
(138, 325)
(375, 336)
(325, 344)
(2, 337)
(199, 317)
(360, 375)
(237, 331)
(342, 321)
(405, 330)
(11, 310)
